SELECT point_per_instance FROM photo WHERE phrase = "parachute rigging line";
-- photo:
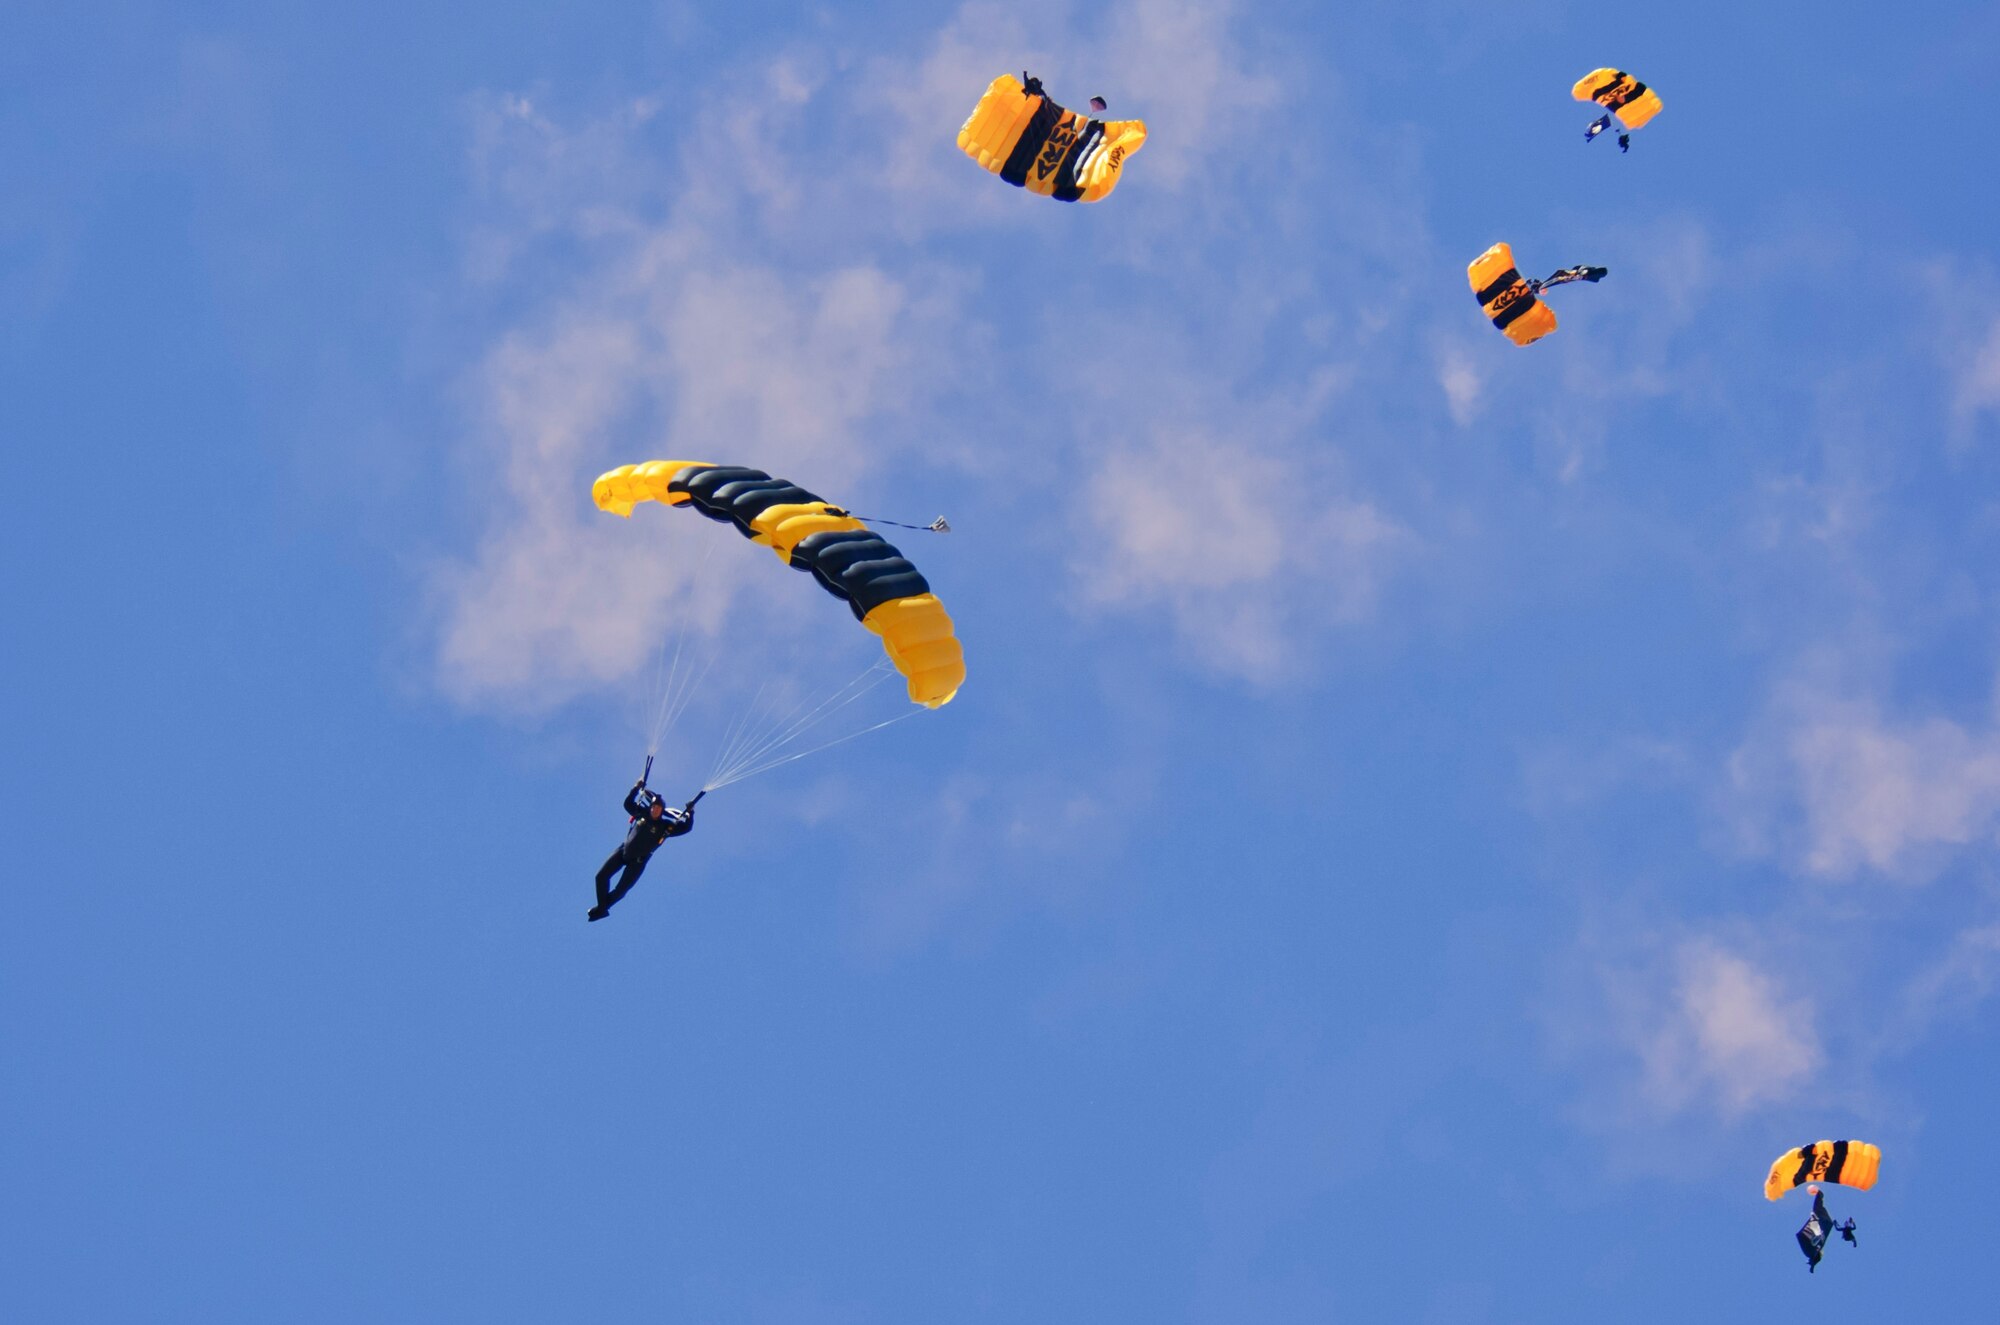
(679, 687)
(759, 739)
(904, 716)
(756, 735)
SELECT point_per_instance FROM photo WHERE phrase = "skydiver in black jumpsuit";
(652, 824)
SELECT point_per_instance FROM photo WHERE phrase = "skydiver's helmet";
(655, 808)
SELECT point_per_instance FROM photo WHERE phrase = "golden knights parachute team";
(1018, 132)
(1513, 302)
(1845, 1163)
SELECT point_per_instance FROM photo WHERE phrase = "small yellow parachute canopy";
(1849, 1163)
(1017, 133)
(850, 560)
(1618, 92)
(1506, 297)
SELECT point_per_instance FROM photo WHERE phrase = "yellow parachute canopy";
(1848, 1163)
(1019, 134)
(1618, 92)
(851, 561)
(1506, 297)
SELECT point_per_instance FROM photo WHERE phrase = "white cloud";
(1843, 789)
(1731, 1030)
(1180, 60)
(1962, 978)
(1241, 549)
(1978, 386)
(1463, 383)
(1708, 1031)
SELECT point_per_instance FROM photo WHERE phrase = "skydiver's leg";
(611, 865)
(633, 869)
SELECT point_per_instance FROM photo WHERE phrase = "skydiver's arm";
(636, 801)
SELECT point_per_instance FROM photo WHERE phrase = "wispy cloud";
(1234, 545)
(1978, 385)
(1840, 788)
(1728, 1030)
(1961, 978)
(1463, 380)
(1693, 1027)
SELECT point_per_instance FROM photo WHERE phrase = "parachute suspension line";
(735, 738)
(680, 687)
(838, 740)
(691, 685)
(754, 723)
(794, 725)
(771, 753)
(757, 736)
(757, 746)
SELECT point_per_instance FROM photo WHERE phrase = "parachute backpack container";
(1019, 134)
(1506, 297)
(1846, 1163)
(1618, 92)
(851, 561)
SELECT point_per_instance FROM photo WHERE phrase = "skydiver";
(652, 824)
(1568, 274)
(1599, 125)
(1819, 1226)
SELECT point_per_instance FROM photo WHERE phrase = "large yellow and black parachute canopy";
(851, 561)
(1621, 95)
(1025, 138)
(1618, 92)
(1506, 297)
(1848, 1163)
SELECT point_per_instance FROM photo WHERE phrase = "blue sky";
(1426, 823)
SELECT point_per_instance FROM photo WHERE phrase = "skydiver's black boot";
(599, 912)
